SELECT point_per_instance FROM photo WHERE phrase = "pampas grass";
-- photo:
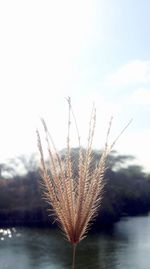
(74, 199)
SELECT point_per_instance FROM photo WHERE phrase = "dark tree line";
(126, 192)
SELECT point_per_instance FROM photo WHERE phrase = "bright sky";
(93, 51)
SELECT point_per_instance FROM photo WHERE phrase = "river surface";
(125, 246)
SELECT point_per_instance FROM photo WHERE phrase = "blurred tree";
(6, 171)
(126, 192)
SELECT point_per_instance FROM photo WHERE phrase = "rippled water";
(125, 246)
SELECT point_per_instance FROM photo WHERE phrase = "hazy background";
(93, 51)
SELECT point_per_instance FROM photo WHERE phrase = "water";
(125, 246)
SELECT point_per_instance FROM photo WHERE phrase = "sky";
(93, 51)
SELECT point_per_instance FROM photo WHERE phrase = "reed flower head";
(74, 198)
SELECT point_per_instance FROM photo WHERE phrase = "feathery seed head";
(74, 197)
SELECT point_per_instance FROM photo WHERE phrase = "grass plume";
(75, 200)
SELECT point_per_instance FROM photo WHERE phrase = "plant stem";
(74, 256)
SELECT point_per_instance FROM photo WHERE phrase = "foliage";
(126, 192)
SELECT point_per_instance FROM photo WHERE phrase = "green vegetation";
(126, 192)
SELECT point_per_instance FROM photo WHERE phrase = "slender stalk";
(74, 256)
